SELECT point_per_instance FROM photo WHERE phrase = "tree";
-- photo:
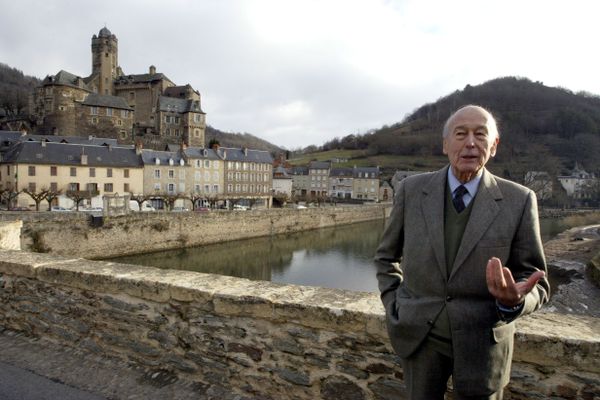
(139, 199)
(52, 195)
(194, 197)
(169, 199)
(8, 195)
(38, 197)
(78, 196)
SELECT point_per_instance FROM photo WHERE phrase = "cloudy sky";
(300, 72)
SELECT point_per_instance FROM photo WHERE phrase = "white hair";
(492, 127)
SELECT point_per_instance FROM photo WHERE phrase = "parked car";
(300, 207)
(60, 209)
(20, 209)
(180, 209)
(239, 207)
(134, 206)
(202, 209)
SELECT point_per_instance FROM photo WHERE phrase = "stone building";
(129, 107)
(318, 172)
(300, 180)
(97, 170)
(340, 183)
(248, 175)
(365, 184)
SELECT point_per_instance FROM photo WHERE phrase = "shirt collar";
(471, 186)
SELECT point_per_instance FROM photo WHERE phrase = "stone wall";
(71, 234)
(259, 339)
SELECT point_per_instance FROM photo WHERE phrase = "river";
(339, 257)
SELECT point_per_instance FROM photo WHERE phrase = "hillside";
(239, 140)
(541, 128)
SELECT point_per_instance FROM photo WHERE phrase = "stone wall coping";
(550, 338)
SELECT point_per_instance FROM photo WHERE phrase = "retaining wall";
(261, 340)
(71, 234)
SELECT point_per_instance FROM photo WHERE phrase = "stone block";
(336, 387)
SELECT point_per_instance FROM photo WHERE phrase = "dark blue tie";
(457, 200)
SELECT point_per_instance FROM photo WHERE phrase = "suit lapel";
(483, 213)
(432, 207)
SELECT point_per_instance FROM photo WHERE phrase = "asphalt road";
(20, 384)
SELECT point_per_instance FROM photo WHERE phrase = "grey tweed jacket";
(411, 270)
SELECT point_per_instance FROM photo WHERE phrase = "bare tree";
(52, 195)
(78, 196)
(8, 195)
(194, 197)
(37, 197)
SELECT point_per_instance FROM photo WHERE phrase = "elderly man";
(461, 258)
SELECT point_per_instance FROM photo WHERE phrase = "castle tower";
(105, 60)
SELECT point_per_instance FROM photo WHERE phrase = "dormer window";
(170, 161)
(181, 162)
(157, 161)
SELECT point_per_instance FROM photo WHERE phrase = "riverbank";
(574, 291)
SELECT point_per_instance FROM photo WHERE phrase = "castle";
(142, 107)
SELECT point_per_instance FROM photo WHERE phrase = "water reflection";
(330, 257)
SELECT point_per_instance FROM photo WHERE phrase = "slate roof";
(70, 154)
(280, 173)
(149, 157)
(341, 172)
(103, 100)
(104, 32)
(200, 152)
(232, 154)
(65, 78)
(319, 165)
(179, 91)
(140, 78)
(174, 104)
(368, 170)
(300, 170)
(12, 137)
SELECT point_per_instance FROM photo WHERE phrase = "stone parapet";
(262, 340)
(71, 234)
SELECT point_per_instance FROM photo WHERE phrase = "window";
(215, 188)
(53, 171)
(109, 172)
(108, 187)
(31, 187)
(176, 120)
(157, 187)
(215, 176)
(197, 188)
(94, 120)
(74, 187)
(171, 174)
(167, 119)
(94, 110)
(126, 173)
(206, 175)
(53, 186)
(206, 164)
(171, 188)
(125, 114)
(229, 187)
(92, 172)
(73, 171)
(157, 173)
(119, 122)
(31, 170)
(91, 187)
(206, 188)
(197, 118)
(126, 187)
(109, 112)
(196, 132)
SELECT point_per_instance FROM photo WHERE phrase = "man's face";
(468, 144)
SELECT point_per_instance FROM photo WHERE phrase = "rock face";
(258, 339)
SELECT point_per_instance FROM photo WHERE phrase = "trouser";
(426, 375)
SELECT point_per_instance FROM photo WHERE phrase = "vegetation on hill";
(239, 140)
(542, 128)
(14, 91)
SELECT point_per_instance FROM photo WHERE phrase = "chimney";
(152, 70)
(43, 143)
(183, 146)
(245, 150)
(138, 147)
(216, 146)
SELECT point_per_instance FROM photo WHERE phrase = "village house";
(365, 184)
(282, 183)
(248, 176)
(318, 173)
(70, 170)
